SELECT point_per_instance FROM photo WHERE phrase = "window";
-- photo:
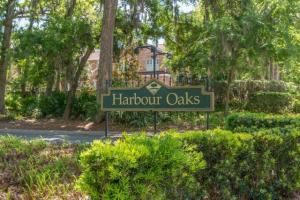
(122, 67)
(149, 65)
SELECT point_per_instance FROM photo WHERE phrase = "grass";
(38, 170)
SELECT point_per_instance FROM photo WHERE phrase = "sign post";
(155, 53)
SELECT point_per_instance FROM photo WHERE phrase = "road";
(59, 136)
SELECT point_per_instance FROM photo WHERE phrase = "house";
(144, 68)
(145, 61)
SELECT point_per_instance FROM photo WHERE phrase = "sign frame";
(201, 87)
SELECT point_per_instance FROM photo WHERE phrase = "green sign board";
(155, 96)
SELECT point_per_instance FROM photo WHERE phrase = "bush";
(85, 106)
(13, 102)
(38, 170)
(139, 119)
(140, 167)
(53, 105)
(24, 106)
(262, 166)
(248, 166)
(270, 102)
(241, 89)
(250, 122)
(29, 106)
(296, 108)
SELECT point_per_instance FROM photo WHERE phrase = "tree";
(106, 49)
(5, 46)
(234, 39)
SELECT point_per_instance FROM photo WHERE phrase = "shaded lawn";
(38, 170)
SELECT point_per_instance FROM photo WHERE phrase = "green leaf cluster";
(249, 122)
(270, 102)
(263, 165)
(215, 164)
(139, 167)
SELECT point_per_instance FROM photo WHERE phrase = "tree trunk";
(66, 60)
(276, 75)
(5, 51)
(50, 83)
(57, 78)
(272, 70)
(71, 8)
(31, 22)
(206, 13)
(227, 95)
(74, 84)
(106, 50)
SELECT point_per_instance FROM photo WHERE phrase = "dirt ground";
(76, 125)
(53, 124)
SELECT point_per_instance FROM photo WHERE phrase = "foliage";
(239, 35)
(85, 106)
(251, 122)
(264, 165)
(37, 106)
(140, 167)
(241, 90)
(215, 164)
(52, 105)
(296, 107)
(37, 169)
(23, 106)
(270, 102)
(248, 166)
(138, 119)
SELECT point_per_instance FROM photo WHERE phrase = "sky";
(186, 7)
(183, 7)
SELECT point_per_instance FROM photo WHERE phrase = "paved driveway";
(59, 136)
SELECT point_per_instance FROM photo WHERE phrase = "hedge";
(296, 107)
(195, 165)
(248, 166)
(270, 102)
(84, 105)
(249, 122)
(140, 167)
(241, 89)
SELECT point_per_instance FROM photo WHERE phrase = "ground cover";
(38, 170)
(213, 164)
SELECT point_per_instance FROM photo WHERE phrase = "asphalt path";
(59, 136)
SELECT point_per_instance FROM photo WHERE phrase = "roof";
(95, 56)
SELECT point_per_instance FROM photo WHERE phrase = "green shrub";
(29, 105)
(140, 167)
(248, 166)
(139, 119)
(220, 149)
(264, 165)
(296, 107)
(250, 122)
(270, 102)
(13, 102)
(25, 106)
(38, 170)
(85, 106)
(241, 89)
(53, 105)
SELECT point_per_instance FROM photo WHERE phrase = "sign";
(155, 96)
